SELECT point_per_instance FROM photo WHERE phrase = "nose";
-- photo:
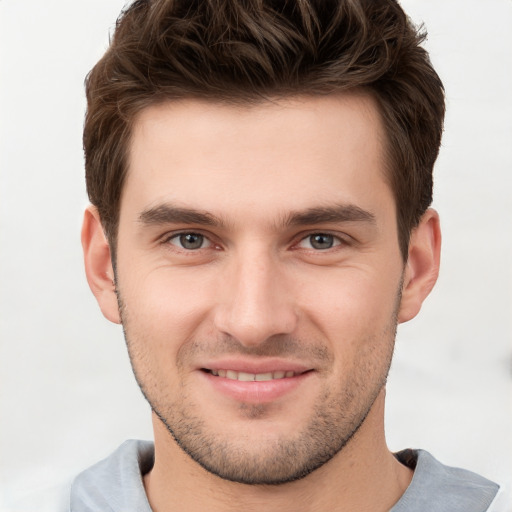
(255, 301)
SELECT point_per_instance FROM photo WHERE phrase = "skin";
(252, 187)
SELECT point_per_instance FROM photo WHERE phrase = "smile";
(259, 386)
(249, 377)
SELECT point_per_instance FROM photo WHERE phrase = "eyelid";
(166, 239)
(340, 239)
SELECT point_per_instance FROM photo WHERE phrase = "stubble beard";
(333, 422)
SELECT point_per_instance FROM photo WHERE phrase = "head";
(262, 174)
(249, 52)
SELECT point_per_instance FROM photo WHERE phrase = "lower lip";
(256, 392)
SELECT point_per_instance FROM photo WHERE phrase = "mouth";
(252, 377)
(255, 381)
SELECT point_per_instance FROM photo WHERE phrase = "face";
(259, 278)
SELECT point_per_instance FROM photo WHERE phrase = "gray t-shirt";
(115, 484)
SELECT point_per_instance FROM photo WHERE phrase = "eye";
(190, 241)
(319, 241)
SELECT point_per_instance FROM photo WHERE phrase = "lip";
(256, 392)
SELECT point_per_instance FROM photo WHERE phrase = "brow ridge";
(330, 214)
(170, 214)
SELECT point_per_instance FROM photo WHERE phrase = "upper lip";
(265, 365)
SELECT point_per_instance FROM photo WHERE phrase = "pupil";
(322, 241)
(191, 241)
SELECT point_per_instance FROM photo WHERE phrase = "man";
(260, 176)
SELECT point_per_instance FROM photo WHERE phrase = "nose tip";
(252, 330)
(256, 307)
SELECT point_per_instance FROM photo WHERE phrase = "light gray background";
(67, 394)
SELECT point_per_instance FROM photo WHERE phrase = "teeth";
(249, 377)
(264, 376)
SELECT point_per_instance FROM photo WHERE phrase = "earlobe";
(98, 265)
(422, 268)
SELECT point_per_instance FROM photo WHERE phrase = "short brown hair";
(252, 50)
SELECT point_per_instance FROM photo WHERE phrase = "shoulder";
(503, 500)
(443, 488)
(115, 483)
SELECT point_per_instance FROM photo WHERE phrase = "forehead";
(287, 154)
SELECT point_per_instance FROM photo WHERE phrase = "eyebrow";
(330, 214)
(169, 214)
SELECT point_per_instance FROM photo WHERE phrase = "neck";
(364, 476)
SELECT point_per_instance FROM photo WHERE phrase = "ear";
(422, 268)
(98, 265)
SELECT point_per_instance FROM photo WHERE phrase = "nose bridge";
(256, 303)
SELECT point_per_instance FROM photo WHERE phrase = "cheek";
(162, 314)
(352, 305)
(167, 303)
(357, 319)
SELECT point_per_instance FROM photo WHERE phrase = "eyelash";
(168, 239)
(336, 241)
